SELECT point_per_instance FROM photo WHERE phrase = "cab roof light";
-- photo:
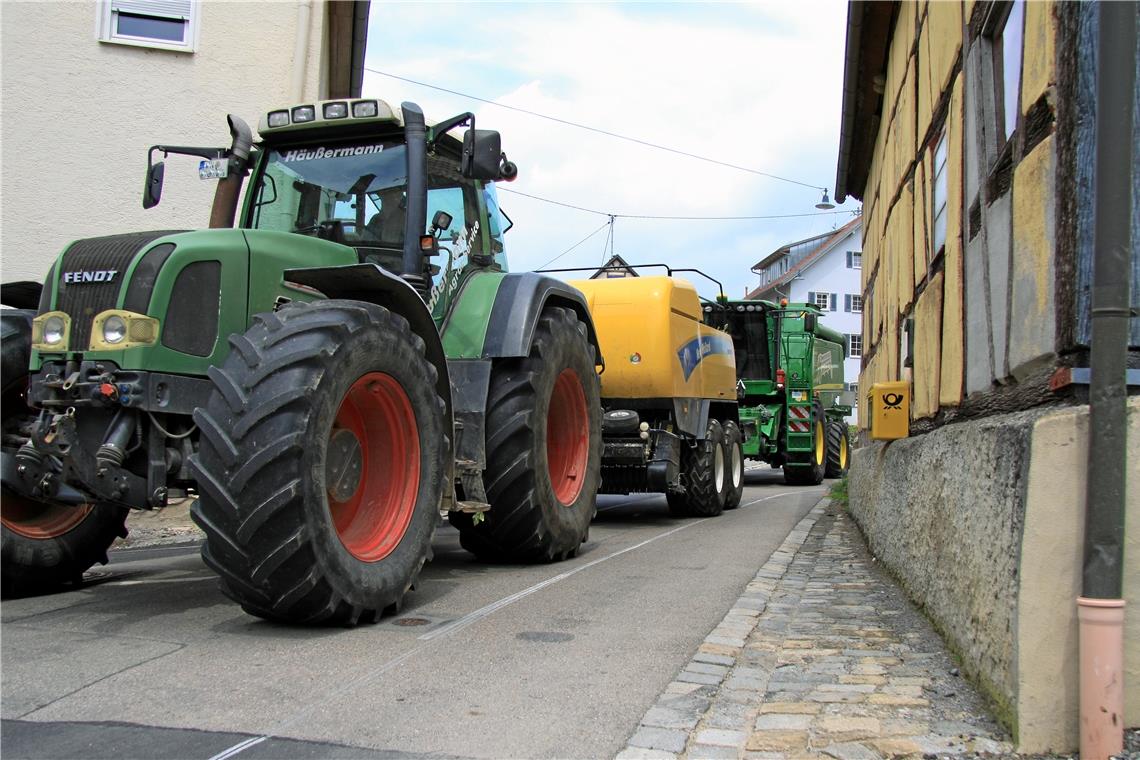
(364, 108)
(278, 118)
(303, 114)
(338, 110)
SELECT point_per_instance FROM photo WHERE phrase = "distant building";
(615, 267)
(89, 87)
(824, 270)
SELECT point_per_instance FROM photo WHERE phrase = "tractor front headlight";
(116, 329)
(50, 331)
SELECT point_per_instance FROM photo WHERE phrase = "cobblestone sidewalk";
(823, 656)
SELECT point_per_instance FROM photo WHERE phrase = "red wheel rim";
(372, 469)
(37, 520)
(567, 437)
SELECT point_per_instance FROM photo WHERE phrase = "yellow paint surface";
(927, 348)
(889, 411)
(1032, 230)
(1038, 68)
(926, 91)
(945, 22)
(643, 325)
(950, 389)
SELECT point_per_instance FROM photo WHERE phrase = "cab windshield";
(749, 331)
(356, 194)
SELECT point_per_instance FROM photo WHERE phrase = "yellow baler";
(668, 393)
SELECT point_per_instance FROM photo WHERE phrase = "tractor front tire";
(42, 545)
(544, 449)
(734, 464)
(706, 480)
(838, 449)
(321, 466)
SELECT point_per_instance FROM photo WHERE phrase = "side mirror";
(152, 190)
(482, 152)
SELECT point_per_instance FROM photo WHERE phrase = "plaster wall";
(78, 116)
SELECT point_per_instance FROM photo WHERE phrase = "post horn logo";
(892, 400)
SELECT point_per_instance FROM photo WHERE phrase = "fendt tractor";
(670, 421)
(322, 384)
(793, 400)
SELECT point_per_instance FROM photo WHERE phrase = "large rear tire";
(544, 449)
(42, 545)
(838, 453)
(706, 480)
(734, 465)
(321, 466)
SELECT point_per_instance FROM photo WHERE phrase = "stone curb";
(664, 729)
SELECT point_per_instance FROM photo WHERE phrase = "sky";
(756, 85)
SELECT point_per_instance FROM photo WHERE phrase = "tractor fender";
(518, 305)
(368, 282)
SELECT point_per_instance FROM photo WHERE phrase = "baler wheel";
(705, 474)
(42, 545)
(734, 464)
(321, 466)
(544, 448)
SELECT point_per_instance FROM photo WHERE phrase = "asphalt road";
(149, 660)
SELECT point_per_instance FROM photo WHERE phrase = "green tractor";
(793, 400)
(324, 386)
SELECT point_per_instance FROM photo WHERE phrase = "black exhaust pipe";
(415, 136)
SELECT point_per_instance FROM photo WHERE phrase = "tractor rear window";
(749, 331)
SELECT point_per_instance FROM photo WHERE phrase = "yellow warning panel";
(890, 411)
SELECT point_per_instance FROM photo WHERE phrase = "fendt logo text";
(97, 275)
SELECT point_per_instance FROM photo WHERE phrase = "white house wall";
(829, 274)
(78, 116)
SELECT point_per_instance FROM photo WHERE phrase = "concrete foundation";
(982, 522)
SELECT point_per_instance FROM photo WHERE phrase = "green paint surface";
(465, 327)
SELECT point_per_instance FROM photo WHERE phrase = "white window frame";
(826, 305)
(189, 10)
(854, 351)
(856, 303)
(856, 259)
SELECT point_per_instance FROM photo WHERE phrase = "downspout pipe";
(1101, 609)
(301, 48)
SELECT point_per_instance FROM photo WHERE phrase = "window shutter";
(811, 297)
(834, 299)
(165, 8)
(847, 296)
(850, 263)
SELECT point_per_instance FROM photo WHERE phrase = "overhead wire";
(609, 214)
(596, 130)
(583, 240)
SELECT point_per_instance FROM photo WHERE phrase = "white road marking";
(464, 622)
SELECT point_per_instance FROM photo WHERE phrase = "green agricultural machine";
(793, 400)
(324, 386)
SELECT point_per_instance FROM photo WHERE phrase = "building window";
(854, 259)
(1007, 46)
(825, 301)
(939, 193)
(854, 346)
(166, 24)
(855, 304)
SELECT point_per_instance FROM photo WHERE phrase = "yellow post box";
(890, 410)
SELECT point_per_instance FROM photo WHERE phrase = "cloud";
(756, 85)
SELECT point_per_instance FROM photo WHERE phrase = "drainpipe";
(1100, 609)
(301, 48)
